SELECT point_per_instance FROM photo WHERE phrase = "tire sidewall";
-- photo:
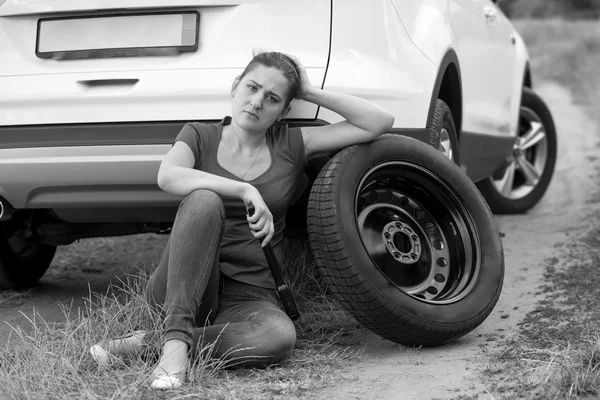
(443, 118)
(22, 272)
(489, 282)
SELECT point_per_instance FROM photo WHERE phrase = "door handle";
(93, 83)
(107, 86)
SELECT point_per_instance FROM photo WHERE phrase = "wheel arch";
(448, 87)
(527, 81)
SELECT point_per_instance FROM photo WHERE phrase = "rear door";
(85, 61)
(487, 58)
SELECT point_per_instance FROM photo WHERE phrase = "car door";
(486, 53)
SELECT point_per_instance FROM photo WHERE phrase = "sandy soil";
(391, 371)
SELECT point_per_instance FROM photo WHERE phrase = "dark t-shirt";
(241, 257)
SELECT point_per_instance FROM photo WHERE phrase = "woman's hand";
(304, 84)
(261, 222)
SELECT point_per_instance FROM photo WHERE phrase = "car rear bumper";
(90, 173)
(83, 177)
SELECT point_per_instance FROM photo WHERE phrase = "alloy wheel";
(446, 144)
(529, 157)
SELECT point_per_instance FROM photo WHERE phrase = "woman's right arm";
(177, 175)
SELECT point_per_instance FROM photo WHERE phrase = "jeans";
(203, 306)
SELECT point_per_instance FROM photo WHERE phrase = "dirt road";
(390, 371)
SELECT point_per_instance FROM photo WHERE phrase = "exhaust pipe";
(6, 210)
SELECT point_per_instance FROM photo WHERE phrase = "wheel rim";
(417, 232)
(445, 144)
(528, 161)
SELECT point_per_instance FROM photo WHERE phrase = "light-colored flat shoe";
(101, 351)
(100, 355)
(168, 381)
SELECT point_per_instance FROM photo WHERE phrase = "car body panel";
(427, 25)
(155, 88)
(484, 48)
(487, 56)
(39, 7)
(405, 77)
(83, 176)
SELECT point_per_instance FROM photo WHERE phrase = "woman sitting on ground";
(213, 282)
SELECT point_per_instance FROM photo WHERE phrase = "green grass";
(51, 361)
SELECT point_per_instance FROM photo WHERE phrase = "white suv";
(92, 94)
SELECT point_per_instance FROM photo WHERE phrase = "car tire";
(518, 187)
(22, 261)
(443, 134)
(405, 241)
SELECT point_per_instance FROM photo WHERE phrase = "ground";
(391, 371)
(388, 370)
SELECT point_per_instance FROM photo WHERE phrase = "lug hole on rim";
(397, 255)
(429, 228)
(371, 197)
(404, 202)
(419, 213)
(387, 196)
(361, 202)
(387, 235)
(438, 245)
(439, 278)
(432, 290)
(442, 262)
(414, 238)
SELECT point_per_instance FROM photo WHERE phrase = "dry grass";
(556, 353)
(51, 361)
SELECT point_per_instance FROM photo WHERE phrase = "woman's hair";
(276, 60)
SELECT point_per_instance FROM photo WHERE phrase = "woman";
(213, 281)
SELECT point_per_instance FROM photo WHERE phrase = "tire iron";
(287, 298)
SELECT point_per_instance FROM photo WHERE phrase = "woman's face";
(259, 98)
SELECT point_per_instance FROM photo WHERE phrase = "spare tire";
(405, 241)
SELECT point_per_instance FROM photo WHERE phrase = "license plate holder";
(118, 35)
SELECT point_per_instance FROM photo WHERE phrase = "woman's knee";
(279, 337)
(202, 202)
(204, 199)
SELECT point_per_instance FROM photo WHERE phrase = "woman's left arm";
(364, 121)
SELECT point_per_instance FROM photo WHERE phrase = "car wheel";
(22, 261)
(520, 185)
(405, 241)
(443, 135)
